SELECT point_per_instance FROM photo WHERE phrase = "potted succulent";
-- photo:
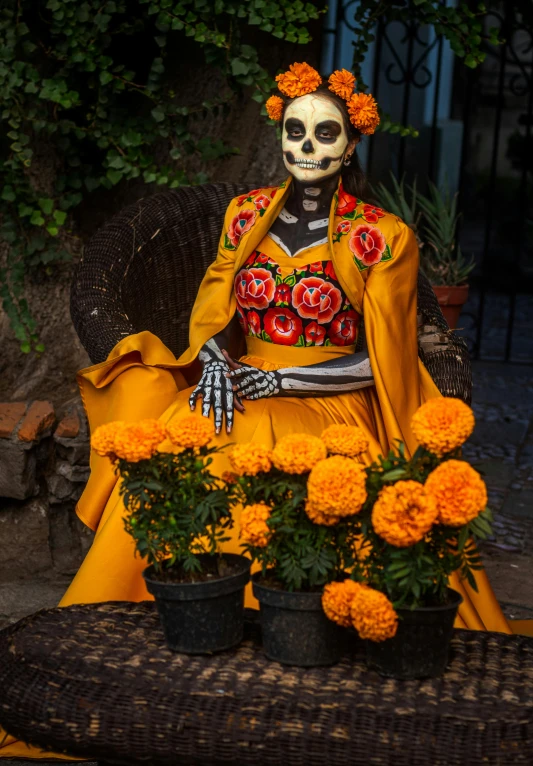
(434, 220)
(417, 527)
(178, 514)
(302, 533)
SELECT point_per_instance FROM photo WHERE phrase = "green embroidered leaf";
(350, 216)
(300, 341)
(290, 280)
(264, 336)
(387, 255)
(327, 342)
(360, 265)
(279, 279)
(227, 243)
(262, 211)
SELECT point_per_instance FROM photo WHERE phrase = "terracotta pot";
(451, 301)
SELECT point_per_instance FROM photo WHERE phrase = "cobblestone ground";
(501, 448)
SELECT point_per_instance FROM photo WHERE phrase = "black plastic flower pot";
(421, 646)
(294, 628)
(202, 617)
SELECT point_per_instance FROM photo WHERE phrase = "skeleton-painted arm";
(345, 373)
(214, 387)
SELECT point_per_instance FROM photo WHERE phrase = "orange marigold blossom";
(191, 431)
(299, 80)
(404, 513)
(103, 439)
(139, 441)
(254, 529)
(344, 440)
(337, 601)
(274, 107)
(459, 491)
(250, 459)
(298, 453)
(373, 615)
(342, 82)
(336, 488)
(443, 424)
(363, 111)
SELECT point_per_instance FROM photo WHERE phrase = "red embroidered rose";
(254, 288)
(273, 192)
(242, 320)
(372, 214)
(367, 243)
(242, 223)
(261, 258)
(315, 267)
(243, 197)
(343, 329)
(330, 271)
(343, 227)
(254, 322)
(314, 334)
(314, 298)
(283, 326)
(346, 203)
(261, 202)
(283, 294)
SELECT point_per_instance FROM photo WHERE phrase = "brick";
(10, 414)
(69, 427)
(39, 418)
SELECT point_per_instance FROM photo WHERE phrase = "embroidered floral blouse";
(294, 301)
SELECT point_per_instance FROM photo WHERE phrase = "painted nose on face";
(308, 147)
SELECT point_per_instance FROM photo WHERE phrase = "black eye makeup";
(295, 129)
(328, 131)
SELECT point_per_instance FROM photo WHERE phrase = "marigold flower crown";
(301, 79)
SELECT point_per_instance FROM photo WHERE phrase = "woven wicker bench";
(142, 271)
(98, 681)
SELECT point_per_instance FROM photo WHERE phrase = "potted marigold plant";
(178, 514)
(417, 528)
(299, 523)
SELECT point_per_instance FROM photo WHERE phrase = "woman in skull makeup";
(299, 265)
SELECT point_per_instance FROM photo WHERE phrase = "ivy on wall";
(73, 78)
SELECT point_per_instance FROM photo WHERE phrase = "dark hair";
(353, 178)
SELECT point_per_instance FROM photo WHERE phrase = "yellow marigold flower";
(298, 80)
(345, 440)
(337, 601)
(404, 513)
(459, 491)
(298, 453)
(139, 441)
(336, 487)
(274, 107)
(103, 439)
(373, 615)
(363, 111)
(342, 82)
(191, 431)
(250, 459)
(442, 424)
(254, 528)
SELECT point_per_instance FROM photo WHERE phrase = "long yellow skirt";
(139, 380)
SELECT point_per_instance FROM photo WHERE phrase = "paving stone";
(10, 415)
(38, 419)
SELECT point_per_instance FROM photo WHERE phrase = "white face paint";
(314, 138)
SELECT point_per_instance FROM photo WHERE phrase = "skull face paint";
(314, 138)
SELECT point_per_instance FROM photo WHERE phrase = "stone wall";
(44, 466)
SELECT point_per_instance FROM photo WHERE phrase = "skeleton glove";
(214, 387)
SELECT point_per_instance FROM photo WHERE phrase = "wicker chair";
(142, 272)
